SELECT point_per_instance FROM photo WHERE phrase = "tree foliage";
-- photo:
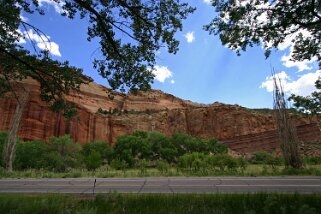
(97, 153)
(129, 32)
(310, 104)
(131, 148)
(241, 24)
(16, 63)
(31, 155)
(63, 153)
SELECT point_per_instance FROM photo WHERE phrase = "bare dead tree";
(10, 146)
(285, 127)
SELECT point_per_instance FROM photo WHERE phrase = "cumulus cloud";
(52, 47)
(21, 38)
(57, 6)
(173, 81)
(303, 86)
(42, 42)
(162, 73)
(24, 19)
(207, 1)
(288, 44)
(190, 36)
(301, 65)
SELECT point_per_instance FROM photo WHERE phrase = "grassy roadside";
(161, 203)
(103, 172)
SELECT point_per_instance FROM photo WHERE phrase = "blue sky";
(202, 71)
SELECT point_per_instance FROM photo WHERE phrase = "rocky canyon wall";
(242, 129)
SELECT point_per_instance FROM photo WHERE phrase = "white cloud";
(207, 1)
(24, 19)
(173, 81)
(57, 6)
(43, 42)
(22, 40)
(190, 36)
(162, 73)
(303, 86)
(32, 35)
(289, 44)
(242, 2)
(52, 47)
(301, 65)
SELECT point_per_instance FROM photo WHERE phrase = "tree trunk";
(286, 128)
(10, 146)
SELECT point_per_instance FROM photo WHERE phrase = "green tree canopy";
(129, 32)
(241, 24)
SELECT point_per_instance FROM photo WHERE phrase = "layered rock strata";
(104, 115)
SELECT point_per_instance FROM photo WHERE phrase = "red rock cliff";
(242, 129)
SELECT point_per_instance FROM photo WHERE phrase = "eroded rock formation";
(104, 115)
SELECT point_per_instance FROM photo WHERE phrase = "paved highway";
(162, 185)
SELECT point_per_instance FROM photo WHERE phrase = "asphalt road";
(162, 185)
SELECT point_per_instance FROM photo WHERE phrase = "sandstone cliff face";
(243, 130)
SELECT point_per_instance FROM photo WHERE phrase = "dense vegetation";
(131, 150)
(141, 154)
(162, 203)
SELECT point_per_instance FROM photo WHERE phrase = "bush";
(162, 148)
(183, 143)
(261, 157)
(140, 134)
(142, 165)
(215, 147)
(242, 163)
(222, 162)
(275, 161)
(312, 160)
(93, 160)
(162, 166)
(130, 148)
(95, 149)
(63, 153)
(119, 165)
(32, 154)
(194, 161)
(3, 138)
(187, 144)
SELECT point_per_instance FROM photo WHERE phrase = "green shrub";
(32, 154)
(142, 166)
(140, 134)
(274, 161)
(118, 164)
(187, 144)
(312, 160)
(183, 143)
(162, 148)
(266, 158)
(93, 160)
(215, 147)
(231, 163)
(242, 163)
(194, 161)
(162, 166)
(104, 151)
(130, 148)
(3, 138)
(222, 162)
(63, 153)
(55, 162)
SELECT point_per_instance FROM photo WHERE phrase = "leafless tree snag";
(285, 127)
